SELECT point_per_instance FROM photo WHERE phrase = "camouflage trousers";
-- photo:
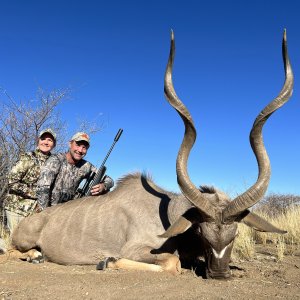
(13, 219)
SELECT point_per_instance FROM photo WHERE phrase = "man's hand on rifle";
(98, 189)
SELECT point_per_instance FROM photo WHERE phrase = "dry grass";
(288, 219)
(244, 243)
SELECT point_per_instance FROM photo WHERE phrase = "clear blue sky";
(113, 55)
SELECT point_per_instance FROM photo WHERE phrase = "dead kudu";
(141, 226)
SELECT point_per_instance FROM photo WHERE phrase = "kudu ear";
(258, 223)
(180, 226)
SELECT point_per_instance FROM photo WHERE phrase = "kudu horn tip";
(172, 34)
(284, 34)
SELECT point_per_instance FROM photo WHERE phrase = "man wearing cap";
(63, 172)
(21, 198)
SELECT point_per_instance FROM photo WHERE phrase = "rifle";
(94, 177)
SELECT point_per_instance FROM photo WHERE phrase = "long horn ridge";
(257, 191)
(188, 189)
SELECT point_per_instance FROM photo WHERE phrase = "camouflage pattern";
(22, 179)
(59, 180)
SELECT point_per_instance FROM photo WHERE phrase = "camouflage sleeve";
(16, 175)
(46, 180)
(108, 182)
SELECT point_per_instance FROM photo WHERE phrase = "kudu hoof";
(37, 260)
(102, 265)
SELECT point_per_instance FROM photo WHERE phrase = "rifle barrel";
(112, 146)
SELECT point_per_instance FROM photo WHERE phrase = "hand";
(98, 189)
(38, 208)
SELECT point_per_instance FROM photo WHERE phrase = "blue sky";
(113, 54)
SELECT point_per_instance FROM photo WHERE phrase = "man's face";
(78, 149)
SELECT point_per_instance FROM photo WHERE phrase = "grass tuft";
(286, 217)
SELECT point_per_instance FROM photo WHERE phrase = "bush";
(277, 204)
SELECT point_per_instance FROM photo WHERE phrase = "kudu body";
(141, 226)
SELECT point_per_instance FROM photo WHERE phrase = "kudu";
(141, 226)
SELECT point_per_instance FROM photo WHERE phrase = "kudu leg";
(161, 263)
(32, 255)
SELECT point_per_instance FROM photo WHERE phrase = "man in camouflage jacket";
(21, 198)
(63, 173)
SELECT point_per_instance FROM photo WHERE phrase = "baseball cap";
(81, 136)
(50, 131)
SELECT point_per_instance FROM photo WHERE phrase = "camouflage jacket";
(22, 179)
(59, 180)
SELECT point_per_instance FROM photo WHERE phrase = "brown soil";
(261, 278)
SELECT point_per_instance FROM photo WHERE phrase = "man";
(21, 199)
(63, 173)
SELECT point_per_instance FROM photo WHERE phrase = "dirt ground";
(261, 278)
